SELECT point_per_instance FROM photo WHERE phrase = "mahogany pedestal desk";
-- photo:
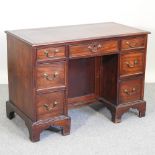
(51, 70)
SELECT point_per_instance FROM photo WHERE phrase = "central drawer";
(51, 75)
(93, 48)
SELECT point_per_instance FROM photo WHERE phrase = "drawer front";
(50, 105)
(51, 75)
(132, 63)
(93, 48)
(131, 43)
(130, 90)
(51, 53)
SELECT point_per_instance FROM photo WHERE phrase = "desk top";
(61, 34)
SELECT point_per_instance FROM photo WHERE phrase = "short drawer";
(51, 53)
(132, 63)
(131, 43)
(93, 48)
(50, 105)
(50, 75)
(131, 90)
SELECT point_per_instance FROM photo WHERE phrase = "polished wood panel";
(130, 90)
(134, 42)
(50, 105)
(132, 63)
(50, 75)
(93, 48)
(76, 102)
(108, 78)
(50, 53)
(81, 77)
(20, 75)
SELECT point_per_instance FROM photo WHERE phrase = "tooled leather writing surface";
(41, 36)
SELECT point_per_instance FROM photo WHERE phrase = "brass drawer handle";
(132, 65)
(51, 106)
(51, 77)
(46, 52)
(94, 47)
(131, 45)
(128, 92)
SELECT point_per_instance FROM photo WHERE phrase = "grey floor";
(92, 132)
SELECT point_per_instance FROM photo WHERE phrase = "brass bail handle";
(128, 92)
(51, 77)
(46, 52)
(132, 45)
(51, 106)
(94, 47)
(132, 65)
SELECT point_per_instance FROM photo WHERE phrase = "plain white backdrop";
(20, 14)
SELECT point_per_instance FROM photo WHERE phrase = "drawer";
(130, 90)
(51, 53)
(50, 105)
(51, 75)
(132, 63)
(131, 43)
(93, 48)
